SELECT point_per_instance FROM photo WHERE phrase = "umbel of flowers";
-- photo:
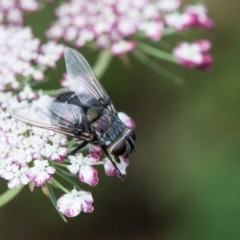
(37, 157)
(34, 155)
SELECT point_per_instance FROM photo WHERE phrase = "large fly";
(88, 115)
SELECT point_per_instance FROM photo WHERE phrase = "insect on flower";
(88, 115)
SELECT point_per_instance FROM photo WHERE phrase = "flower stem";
(59, 185)
(54, 200)
(102, 63)
(98, 163)
(9, 195)
(169, 31)
(59, 164)
(156, 52)
(155, 67)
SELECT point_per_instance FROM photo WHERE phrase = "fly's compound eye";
(119, 148)
(132, 134)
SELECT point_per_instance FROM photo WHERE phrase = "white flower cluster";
(22, 56)
(12, 11)
(23, 146)
(107, 22)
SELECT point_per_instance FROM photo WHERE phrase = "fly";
(87, 114)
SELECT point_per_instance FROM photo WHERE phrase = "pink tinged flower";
(7, 98)
(17, 176)
(95, 150)
(106, 23)
(110, 169)
(5, 167)
(200, 13)
(51, 52)
(126, 120)
(122, 47)
(153, 29)
(29, 5)
(71, 204)
(193, 55)
(83, 166)
(22, 49)
(58, 139)
(38, 75)
(169, 5)
(180, 21)
(41, 172)
(21, 156)
(13, 11)
(27, 93)
(54, 152)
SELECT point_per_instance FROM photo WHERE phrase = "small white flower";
(21, 156)
(179, 21)
(169, 5)
(200, 13)
(126, 120)
(110, 169)
(193, 54)
(82, 165)
(95, 150)
(41, 172)
(5, 167)
(54, 152)
(122, 47)
(13, 10)
(71, 204)
(51, 52)
(17, 176)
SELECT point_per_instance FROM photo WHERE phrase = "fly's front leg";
(112, 161)
(79, 147)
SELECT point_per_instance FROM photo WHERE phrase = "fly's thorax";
(107, 127)
(124, 144)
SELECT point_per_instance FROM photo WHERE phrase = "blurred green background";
(183, 182)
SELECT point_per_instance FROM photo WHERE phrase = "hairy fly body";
(88, 115)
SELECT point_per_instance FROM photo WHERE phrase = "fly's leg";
(79, 147)
(112, 161)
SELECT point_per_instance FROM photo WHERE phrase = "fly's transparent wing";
(59, 117)
(79, 69)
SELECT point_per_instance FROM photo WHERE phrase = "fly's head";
(125, 145)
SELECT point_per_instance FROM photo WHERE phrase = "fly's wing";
(59, 117)
(79, 70)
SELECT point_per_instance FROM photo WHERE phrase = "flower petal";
(73, 203)
(110, 170)
(88, 175)
(126, 120)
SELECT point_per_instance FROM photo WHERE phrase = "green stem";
(155, 67)
(169, 31)
(68, 179)
(98, 163)
(156, 52)
(9, 195)
(52, 91)
(59, 164)
(59, 185)
(102, 63)
(54, 200)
